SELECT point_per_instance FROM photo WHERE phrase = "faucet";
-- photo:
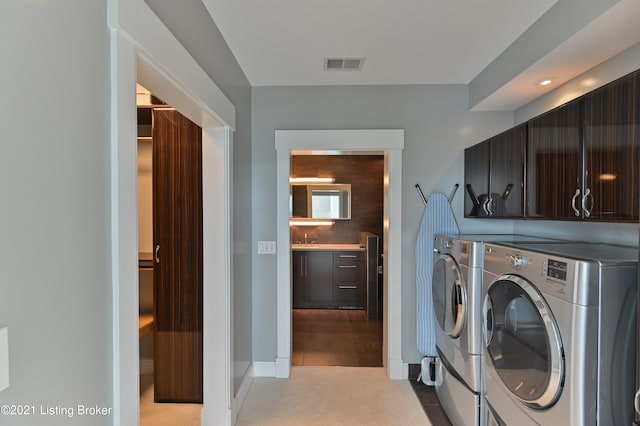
(305, 238)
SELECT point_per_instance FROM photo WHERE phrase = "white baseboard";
(397, 369)
(146, 366)
(241, 393)
(264, 369)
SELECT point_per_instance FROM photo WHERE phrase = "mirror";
(325, 201)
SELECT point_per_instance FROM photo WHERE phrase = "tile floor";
(335, 337)
(328, 396)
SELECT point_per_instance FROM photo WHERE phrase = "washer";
(559, 333)
(457, 298)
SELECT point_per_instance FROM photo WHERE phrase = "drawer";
(348, 294)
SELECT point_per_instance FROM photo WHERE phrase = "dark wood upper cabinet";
(612, 148)
(554, 163)
(494, 176)
(582, 161)
(476, 179)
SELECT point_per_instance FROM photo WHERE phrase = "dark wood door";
(612, 142)
(476, 179)
(554, 164)
(177, 232)
(506, 177)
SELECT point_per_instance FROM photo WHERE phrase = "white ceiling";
(284, 42)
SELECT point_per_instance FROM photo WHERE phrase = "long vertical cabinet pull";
(573, 202)
(157, 253)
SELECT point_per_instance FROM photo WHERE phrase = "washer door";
(449, 296)
(523, 341)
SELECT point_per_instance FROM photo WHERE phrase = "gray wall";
(437, 126)
(191, 24)
(55, 284)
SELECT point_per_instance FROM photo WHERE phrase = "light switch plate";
(4, 358)
(266, 247)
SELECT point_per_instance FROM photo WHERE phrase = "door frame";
(389, 142)
(143, 50)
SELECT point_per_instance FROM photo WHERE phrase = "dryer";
(457, 298)
(559, 333)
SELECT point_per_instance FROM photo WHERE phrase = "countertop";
(327, 247)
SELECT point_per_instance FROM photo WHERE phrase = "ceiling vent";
(345, 64)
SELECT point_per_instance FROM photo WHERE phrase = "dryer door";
(523, 341)
(449, 296)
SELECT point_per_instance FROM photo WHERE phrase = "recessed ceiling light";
(545, 82)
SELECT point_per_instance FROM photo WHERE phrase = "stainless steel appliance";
(559, 333)
(457, 298)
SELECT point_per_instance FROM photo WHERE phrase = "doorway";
(151, 55)
(389, 143)
(335, 315)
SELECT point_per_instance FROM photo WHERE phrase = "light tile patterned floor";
(332, 396)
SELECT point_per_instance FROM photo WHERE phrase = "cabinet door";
(313, 279)
(612, 141)
(554, 164)
(476, 179)
(177, 232)
(506, 173)
(348, 291)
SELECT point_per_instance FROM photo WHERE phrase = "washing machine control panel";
(556, 270)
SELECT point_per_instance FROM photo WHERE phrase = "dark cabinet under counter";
(328, 279)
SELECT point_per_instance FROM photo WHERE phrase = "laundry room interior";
(422, 212)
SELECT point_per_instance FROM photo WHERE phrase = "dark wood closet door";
(177, 231)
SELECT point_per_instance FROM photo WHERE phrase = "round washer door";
(523, 341)
(449, 296)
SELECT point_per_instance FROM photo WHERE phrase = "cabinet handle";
(487, 207)
(351, 256)
(347, 266)
(348, 287)
(585, 197)
(156, 254)
(306, 274)
(573, 202)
